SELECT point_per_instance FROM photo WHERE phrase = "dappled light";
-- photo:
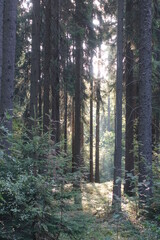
(79, 120)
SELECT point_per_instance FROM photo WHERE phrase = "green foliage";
(34, 199)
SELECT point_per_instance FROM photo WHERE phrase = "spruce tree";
(145, 102)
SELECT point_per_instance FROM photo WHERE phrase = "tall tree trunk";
(65, 119)
(156, 14)
(97, 177)
(145, 98)
(47, 56)
(40, 99)
(109, 114)
(55, 11)
(91, 53)
(8, 67)
(118, 119)
(91, 120)
(82, 145)
(1, 40)
(66, 65)
(157, 129)
(131, 99)
(129, 154)
(73, 133)
(78, 57)
(35, 58)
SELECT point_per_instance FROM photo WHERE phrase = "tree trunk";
(118, 119)
(65, 117)
(145, 113)
(47, 56)
(40, 99)
(8, 67)
(109, 114)
(97, 177)
(91, 54)
(73, 133)
(78, 57)
(35, 58)
(55, 11)
(82, 145)
(129, 154)
(157, 129)
(1, 40)
(91, 120)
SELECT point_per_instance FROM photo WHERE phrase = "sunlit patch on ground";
(96, 198)
(100, 223)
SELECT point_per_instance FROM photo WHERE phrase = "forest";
(79, 119)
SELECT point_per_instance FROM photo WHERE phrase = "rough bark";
(129, 84)
(109, 115)
(40, 99)
(118, 117)
(55, 83)
(73, 133)
(1, 40)
(129, 154)
(82, 145)
(65, 119)
(157, 129)
(78, 58)
(156, 92)
(47, 56)
(145, 98)
(97, 176)
(91, 121)
(8, 67)
(35, 58)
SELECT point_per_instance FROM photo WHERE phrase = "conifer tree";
(145, 107)
(35, 58)
(78, 83)
(1, 40)
(8, 66)
(118, 118)
(55, 68)
(97, 174)
(47, 65)
(130, 101)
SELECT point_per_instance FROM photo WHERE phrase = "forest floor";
(105, 225)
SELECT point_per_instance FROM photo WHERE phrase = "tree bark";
(1, 40)
(40, 99)
(145, 99)
(8, 67)
(109, 114)
(118, 120)
(65, 118)
(97, 176)
(82, 145)
(91, 120)
(35, 58)
(55, 83)
(47, 56)
(157, 129)
(129, 154)
(130, 85)
(78, 58)
(73, 133)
